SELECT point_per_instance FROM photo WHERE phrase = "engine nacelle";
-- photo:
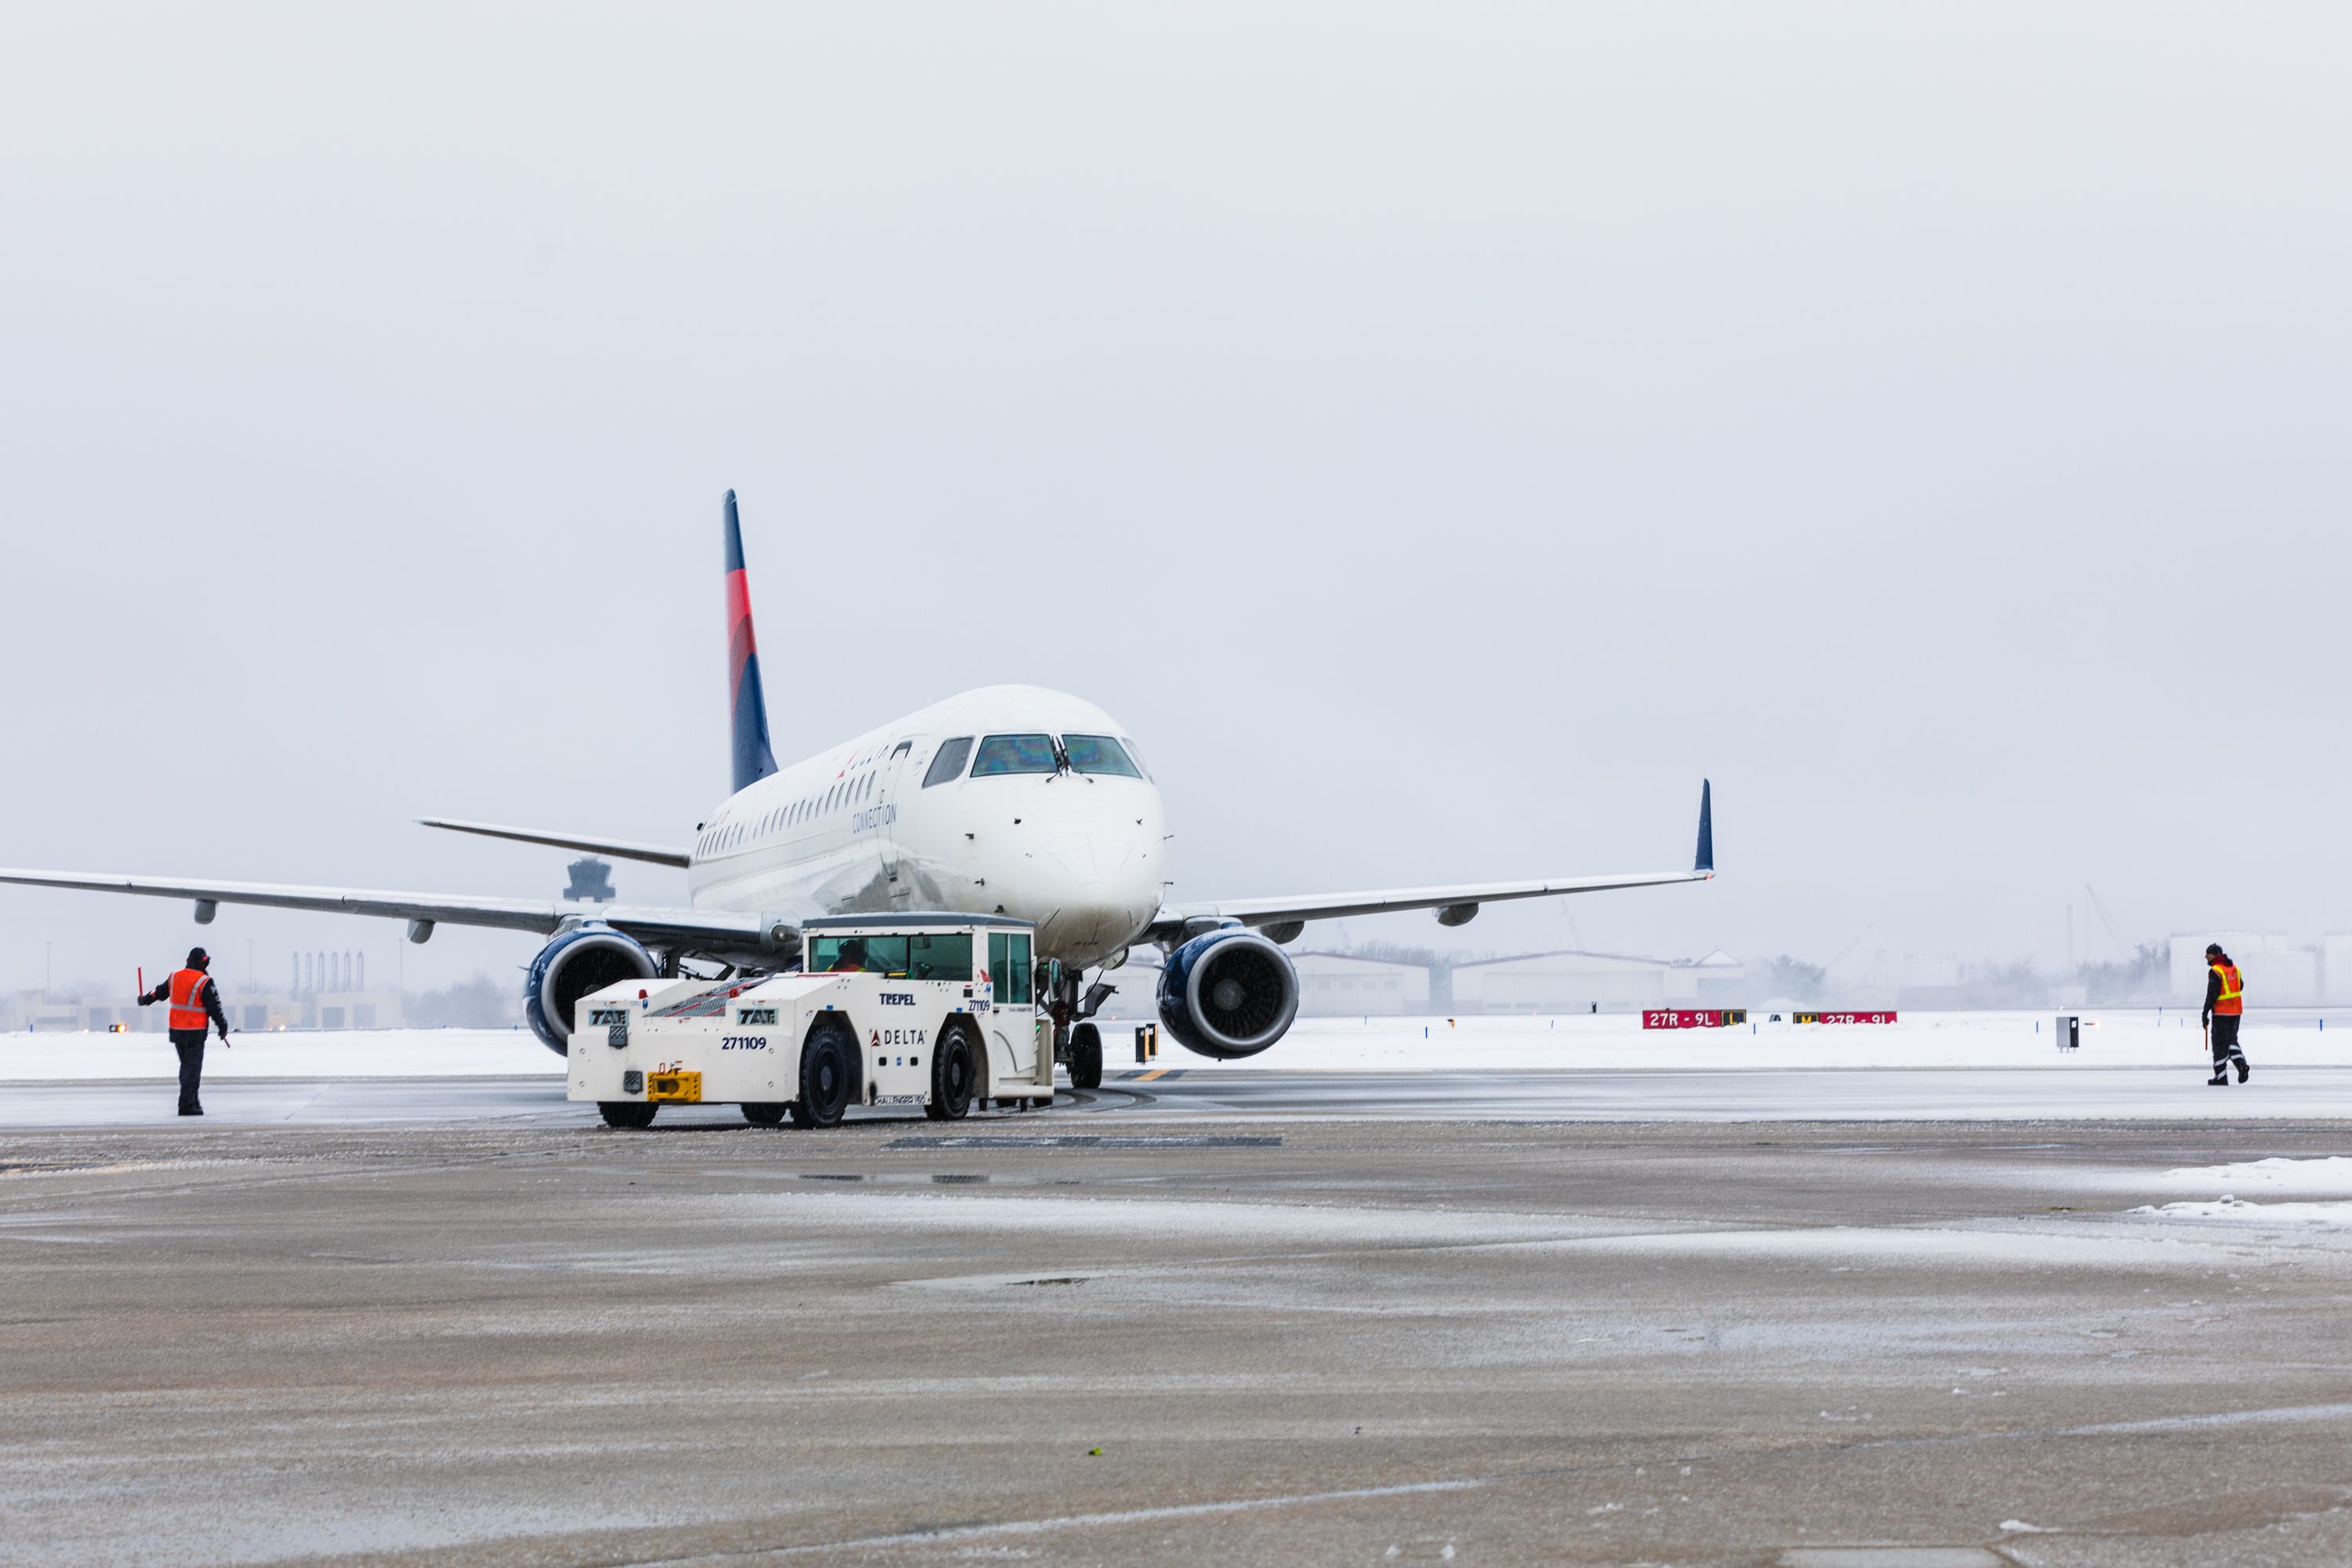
(583, 959)
(1228, 993)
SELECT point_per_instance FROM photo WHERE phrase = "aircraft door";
(885, 807)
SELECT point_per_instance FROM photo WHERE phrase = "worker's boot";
(2244, 1072)
(2220, 1078)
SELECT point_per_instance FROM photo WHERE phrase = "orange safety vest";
(187, 1007)
(2232, 1000)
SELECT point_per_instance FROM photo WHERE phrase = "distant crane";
(1849, 947)
(2122, 951)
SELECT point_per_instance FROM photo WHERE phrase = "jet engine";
(585, 958)
(1228, 993)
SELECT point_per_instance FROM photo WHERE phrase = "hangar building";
(1607, 981)
(1338, 985)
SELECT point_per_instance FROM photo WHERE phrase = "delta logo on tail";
(747, 707)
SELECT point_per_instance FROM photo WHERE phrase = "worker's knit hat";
(198, 958)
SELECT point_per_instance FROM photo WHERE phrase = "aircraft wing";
(1460, 901)
(618, 849)
(653, 923)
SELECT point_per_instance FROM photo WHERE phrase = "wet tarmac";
(455, 1321)
(1822, 1094)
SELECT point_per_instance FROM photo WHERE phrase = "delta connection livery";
(1011, 801)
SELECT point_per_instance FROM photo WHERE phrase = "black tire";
(955, 1073)
(1086, 1056)
(626, 1113)
(828, 1075)
(770, 1113)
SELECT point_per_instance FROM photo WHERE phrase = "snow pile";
(2330, 1176)
(2231, 1207)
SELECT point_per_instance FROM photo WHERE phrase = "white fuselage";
(854, 829)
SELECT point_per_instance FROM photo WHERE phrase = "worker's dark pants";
(190, 1043)
(2225, 1039)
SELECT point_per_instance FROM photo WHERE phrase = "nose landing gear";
(1077, 1045)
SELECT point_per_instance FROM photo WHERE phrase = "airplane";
(1008, 800)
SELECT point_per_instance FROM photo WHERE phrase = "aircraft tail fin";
(1706, 827)
(747, 705)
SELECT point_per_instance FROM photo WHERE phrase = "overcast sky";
(1443, 435)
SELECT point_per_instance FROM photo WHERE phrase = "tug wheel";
(627, 1113)
(954, 1070)
(828, 1076)
(767, 1114)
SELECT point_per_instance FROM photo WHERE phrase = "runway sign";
(1682, 1019)
(1841, 1018)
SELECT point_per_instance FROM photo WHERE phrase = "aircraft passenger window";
(950, 763)
(1099, 754)
(1017, 755)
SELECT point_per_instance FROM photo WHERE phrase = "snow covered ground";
(310, 1053)
(1618, 1042)
(1583, 1043)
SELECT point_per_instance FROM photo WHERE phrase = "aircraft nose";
(1089, 894)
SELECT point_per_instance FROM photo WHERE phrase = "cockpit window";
(1017, 755)
(1099, 754)
(950, 763)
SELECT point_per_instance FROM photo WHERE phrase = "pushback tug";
(930, 1010)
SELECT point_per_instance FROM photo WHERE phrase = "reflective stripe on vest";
(187, 1003)
(2233, 988)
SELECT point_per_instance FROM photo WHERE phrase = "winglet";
(1706, 827)
(747, 706)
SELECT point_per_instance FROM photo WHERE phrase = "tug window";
(945, 957)
(1017, 755)
(950, 763)
(1099, 754)
(1008, 967)
(858, 955)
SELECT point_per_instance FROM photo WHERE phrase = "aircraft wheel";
(764, 1114)
(954, 1070)
(828, 1070)
(626, 1113)
(1086, 1056)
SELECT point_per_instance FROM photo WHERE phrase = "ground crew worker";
(2225, 1004)
(196, 1001)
